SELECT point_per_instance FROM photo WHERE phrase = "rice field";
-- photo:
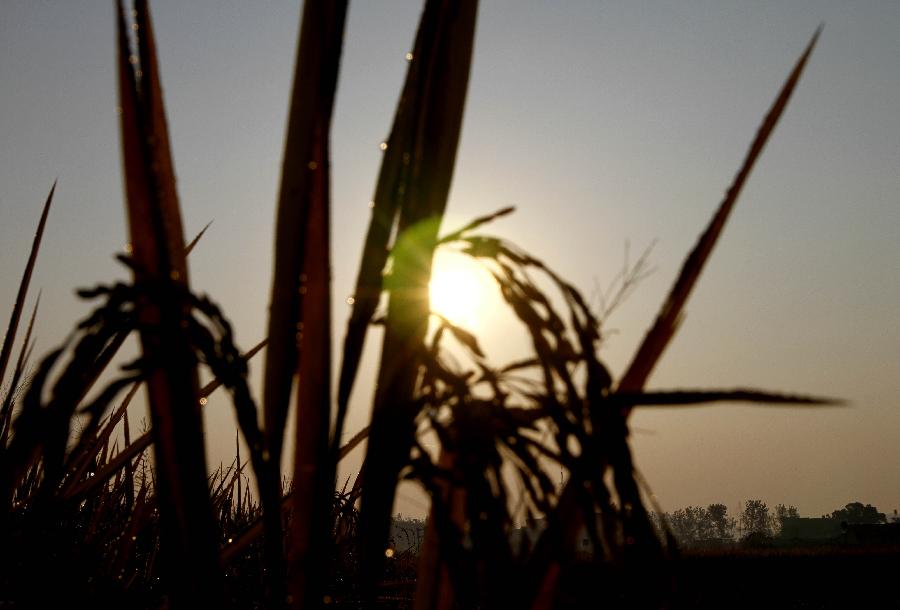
(113, 516)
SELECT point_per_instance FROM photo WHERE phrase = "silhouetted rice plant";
(87, 510)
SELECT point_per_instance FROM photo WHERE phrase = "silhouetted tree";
(755, 519)
(694, 524)
(690, 524)
(856, 512)
(719, 523)
(783, 512)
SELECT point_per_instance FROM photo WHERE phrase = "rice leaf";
(314, 473)
(478, 222)
(27, 346)
(434, 96)
(85, 457)
(13, 325)
(255, 529)
(157, 244)
(687, 398)
(31, 427)
(300, 307)
(190, 246)
(667, 321)
(385, 205)
(545, 568)
(304, 185)
(353, 443)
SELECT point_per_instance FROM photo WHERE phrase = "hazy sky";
(603, 123)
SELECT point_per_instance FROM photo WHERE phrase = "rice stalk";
(300, 309)
(159, 262)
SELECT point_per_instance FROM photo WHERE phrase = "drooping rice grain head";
(546, 567)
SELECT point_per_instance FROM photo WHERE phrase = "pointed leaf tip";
(190, 246)
(13, 325)
(666, 323)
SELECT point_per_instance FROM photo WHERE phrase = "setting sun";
(460, 289)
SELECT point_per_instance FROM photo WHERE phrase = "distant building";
(872, 534)
(810, 530)
(803, 531)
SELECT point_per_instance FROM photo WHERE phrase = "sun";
(460, 289)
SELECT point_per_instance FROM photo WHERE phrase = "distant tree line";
(696, 525)
(856, 512)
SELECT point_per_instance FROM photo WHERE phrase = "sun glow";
(460, 289)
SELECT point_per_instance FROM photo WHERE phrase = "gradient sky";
(603, 123)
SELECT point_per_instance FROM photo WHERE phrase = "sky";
(608, 125)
